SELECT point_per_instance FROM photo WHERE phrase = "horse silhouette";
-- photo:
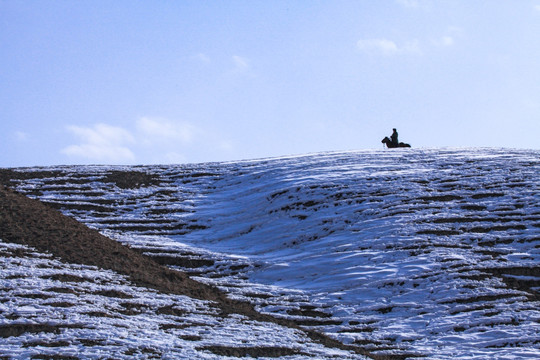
(390, 145)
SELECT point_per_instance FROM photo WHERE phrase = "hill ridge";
(399, 252)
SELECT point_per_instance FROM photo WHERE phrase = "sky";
(165, 82)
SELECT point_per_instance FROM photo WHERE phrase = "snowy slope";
(426, 252)
(51, 309)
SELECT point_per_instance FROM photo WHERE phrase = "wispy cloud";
(387, 47)
(202, 58)
(449, 39)
(240, 62)
(384, 46)
(158, 129)
(147, 140)
(242, 66)
(446, 40)
(408, 3)
(21, 136)
(101, 143)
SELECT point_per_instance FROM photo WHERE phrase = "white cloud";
(21, 136)
(147, 140)
(408, 3)
(453, 33)
(537, 7)
(384, 46)
(203, 58)
(387, 47)
(241, 63)
(445, 41)
(159, 129)
(101, 143)
(102, 134)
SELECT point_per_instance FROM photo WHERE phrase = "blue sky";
(146, 82)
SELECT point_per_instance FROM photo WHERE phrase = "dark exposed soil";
(7, 176)
(253, 352)
(131, 179)
(8, 330)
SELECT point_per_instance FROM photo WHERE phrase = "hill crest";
(422, 251)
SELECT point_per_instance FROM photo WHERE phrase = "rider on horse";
(394, 138)
(393, 141)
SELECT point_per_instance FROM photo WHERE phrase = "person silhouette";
(394, 138)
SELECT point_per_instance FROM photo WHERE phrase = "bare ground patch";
(131, 179)
(254, 352)
(8, 330)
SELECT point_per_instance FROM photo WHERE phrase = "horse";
(389, 144)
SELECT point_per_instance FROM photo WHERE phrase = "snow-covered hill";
(414, 252)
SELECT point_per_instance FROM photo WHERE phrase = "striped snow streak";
(432, 252)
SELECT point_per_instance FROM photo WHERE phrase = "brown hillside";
(30, 222)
